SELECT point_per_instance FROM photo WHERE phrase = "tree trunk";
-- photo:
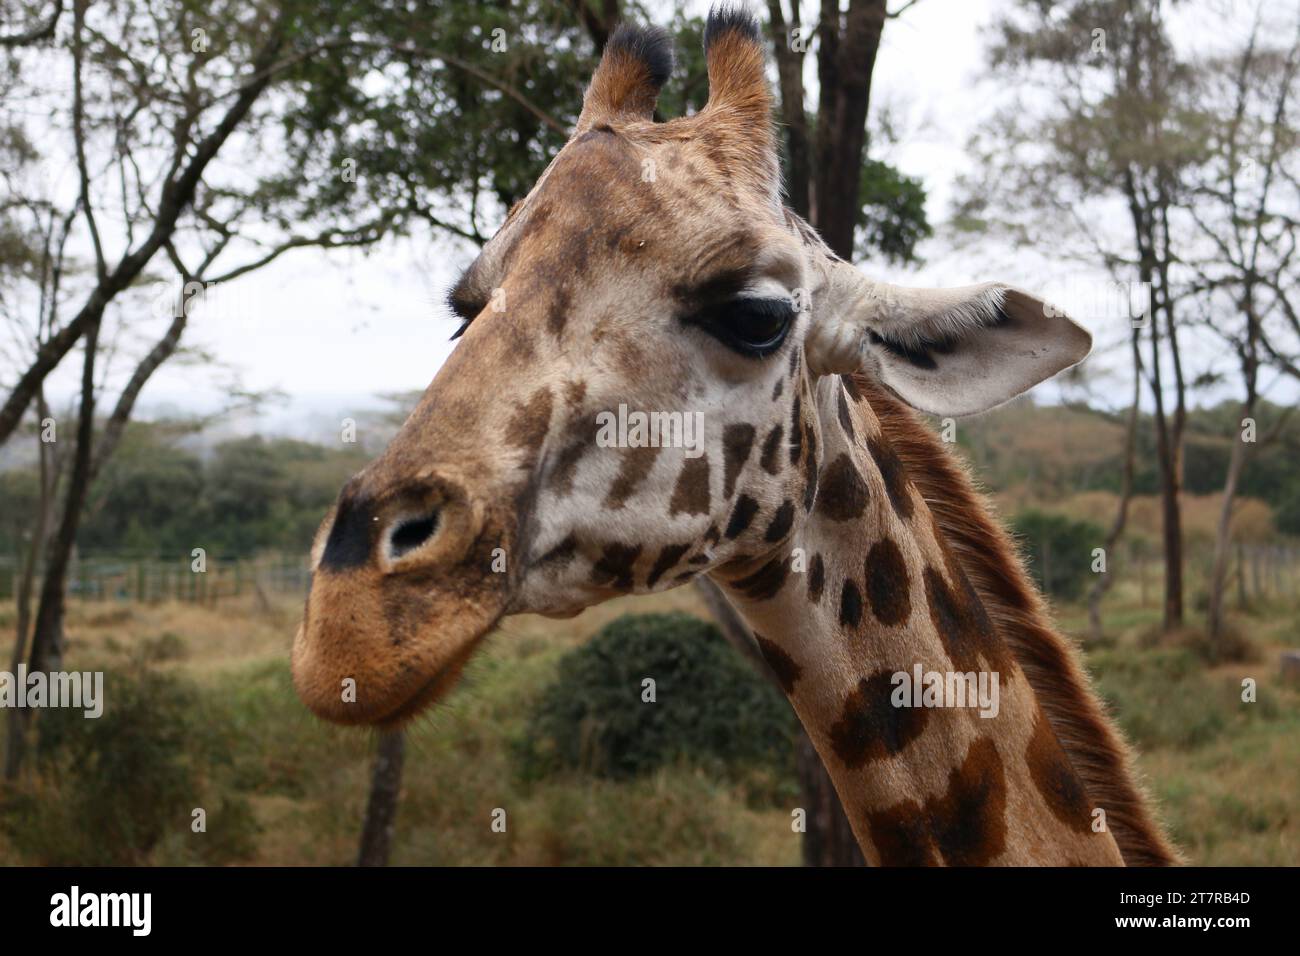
(846, 58)
(828, 838)
(1173, 544)
(1104, 581)
(1223, 535)
(48, 636)
(16, 730)
(1168, 458)
(381, 807)
(794, 119)
(1144, 579)
(1241, 577)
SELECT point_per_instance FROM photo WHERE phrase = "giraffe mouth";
(434, 689)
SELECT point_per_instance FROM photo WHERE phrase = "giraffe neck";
(865, 597)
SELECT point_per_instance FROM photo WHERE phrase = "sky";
(328, 331)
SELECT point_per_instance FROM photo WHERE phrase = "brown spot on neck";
(558, 313)
(870, 727)
(781, 523)
(967, 826)
(850, 605)
(816, 578)
(578, 440)
(782, 665)
(1056, 780)
(742, 515)
(561, 554)
(845, 415)
(888, 585)
(842, 495)
(574, 392)
(964, 626)
(894, 474)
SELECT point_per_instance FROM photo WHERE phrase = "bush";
(1058, 551)
(710, 706)
(111, 790)
(231, 833)
(1165, 698)
(130, 772)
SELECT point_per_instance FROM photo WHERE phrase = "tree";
(1246, 194)
(159, 90)
(1110, 137)
(1102, 584)
(825, 153)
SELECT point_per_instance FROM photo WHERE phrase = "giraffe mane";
(965, 519)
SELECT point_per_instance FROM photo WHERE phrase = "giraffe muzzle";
(402, 591)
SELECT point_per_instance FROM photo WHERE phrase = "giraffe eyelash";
(734, 323)
(464, 310)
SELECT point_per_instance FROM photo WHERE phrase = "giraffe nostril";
(411, 533)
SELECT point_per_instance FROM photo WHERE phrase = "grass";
(1225, 772)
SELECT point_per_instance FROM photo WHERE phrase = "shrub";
(1058, 551)
(108, 791)
(710, 706)
(231, 833)
(130, 772)
(1165, 698)
(167, 646)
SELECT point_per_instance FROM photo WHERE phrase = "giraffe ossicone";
(837, 524)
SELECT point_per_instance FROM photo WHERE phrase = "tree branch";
(42, 31)
(177, 194)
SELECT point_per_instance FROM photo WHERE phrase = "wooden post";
(1241, 576)
(1291, 666)
(381, 808)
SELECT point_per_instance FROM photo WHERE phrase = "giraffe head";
(630, 404)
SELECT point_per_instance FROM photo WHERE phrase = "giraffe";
(654, 266)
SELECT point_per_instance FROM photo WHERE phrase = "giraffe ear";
(946, 351)
(733, 50)
(633, 69)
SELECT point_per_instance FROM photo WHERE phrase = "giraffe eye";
(753, 327)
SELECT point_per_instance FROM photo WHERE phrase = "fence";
(153, 580)
(1255, 572)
